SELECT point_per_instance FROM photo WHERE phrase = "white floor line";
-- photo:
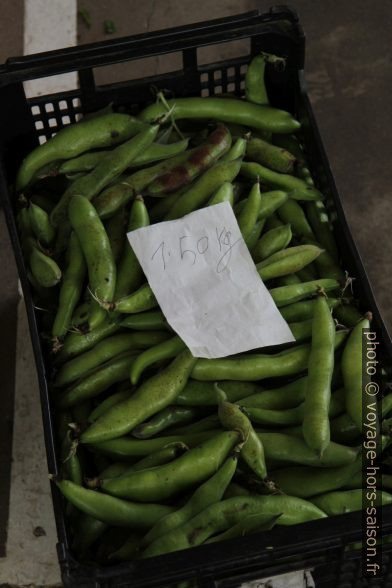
(48, 25)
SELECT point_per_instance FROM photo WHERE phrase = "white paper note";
(207, 285)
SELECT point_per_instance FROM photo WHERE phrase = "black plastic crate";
(319, 545)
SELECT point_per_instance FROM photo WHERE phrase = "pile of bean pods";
(159, 450)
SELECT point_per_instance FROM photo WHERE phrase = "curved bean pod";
(287, 261)
(167, 349)
(271, 156)
(304, 481)
(129, 273)
(146, 321)
(208, 493)
(285, 295)
(98, 381)
(153, 395)
(315, 425)
(102, 131)
(126, 447)
(170, 479)
(297, 188)
(253, 367)
(168, 417)
(251, 448)
(228, 110)
(71, 287)
(104, 351)
(111, 510)
(340, 502)
(352, 373)
(202, 157)
(225, 514)
(97, 252)
(248, 216)
(272, 241)
(202, 189)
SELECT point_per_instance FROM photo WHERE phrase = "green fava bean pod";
(104, 351)
(116, 196)
(328, 268)
(130, 274)
(352, 370)
(201, 158)
(44, 269)
(166, 350)
(77, 343)
(157, 458)
(285, 397)
(97, 381)
(291, 212)
(162, 482)
(248, 216)
(155, 152)
(223, 515)
(289, 416)
(108, 170)
(236, 151)
(343, 501)
(139, 301)
(111, 510)
(285, 295)
(303, 310)
(251, 449)
(115, 230)
(255, 234)
(271, 156)
(110, 401)
(228, 110)
(255, 90)
(146, 321)
(304, 482)
(287, 261)
(103, 131)
(153, 395)
(284, 448)
(168, 417)
(223, 194)
(297, 188)
(40, 224)
(254, 367)
(71, 287)
(302, 330)
(127, 447)
(272, 241)
(320, 223)
(252, 524)
(208, 493)
(315, 425)
(270, 202)
(203, 187)
(97, 252)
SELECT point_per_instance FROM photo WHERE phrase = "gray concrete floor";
(349, 78)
